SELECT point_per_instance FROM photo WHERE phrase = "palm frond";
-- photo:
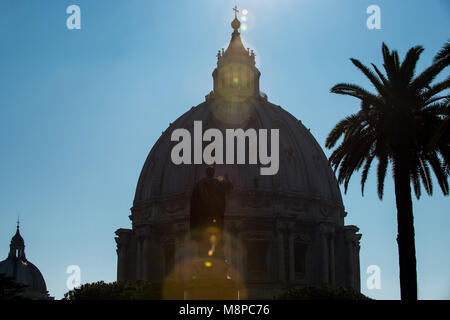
(381, 174)
(444, 53)
(440, 172)
(426, 77)
(380, 75)
(436, 89)
(426, 177)
(408, 65)
(371, 76)
(365, 172)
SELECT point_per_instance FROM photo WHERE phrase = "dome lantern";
(17, 245)
(236, 76)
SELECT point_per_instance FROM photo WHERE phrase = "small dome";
(20, 269)
(24, 272)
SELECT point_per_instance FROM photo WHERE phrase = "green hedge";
(10, 289)
(124, 290)
(321, 293)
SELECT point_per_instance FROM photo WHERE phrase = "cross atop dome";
(236, 11)
(236, 24)
(236, 76)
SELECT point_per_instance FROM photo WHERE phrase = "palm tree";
(406, 124)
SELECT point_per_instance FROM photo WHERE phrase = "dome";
(303, 167)
(24, 272)
(236, 102)
(20, 269)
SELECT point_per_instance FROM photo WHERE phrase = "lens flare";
(245, 12)
(244, 18)
(190, 270)
(243, 27)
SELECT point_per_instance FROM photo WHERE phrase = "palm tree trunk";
(405, 236)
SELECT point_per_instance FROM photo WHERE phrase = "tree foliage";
(321, 293)
(10, 289)
(406, 120)
(126, 290)
(406, 123)
(122, 290)
(444, 53)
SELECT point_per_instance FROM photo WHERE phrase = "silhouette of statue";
(207, 211)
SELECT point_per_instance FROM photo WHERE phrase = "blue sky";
(80, 110)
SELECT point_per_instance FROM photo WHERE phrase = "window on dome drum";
(300, 257)
(257, 256)
(169, 257)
